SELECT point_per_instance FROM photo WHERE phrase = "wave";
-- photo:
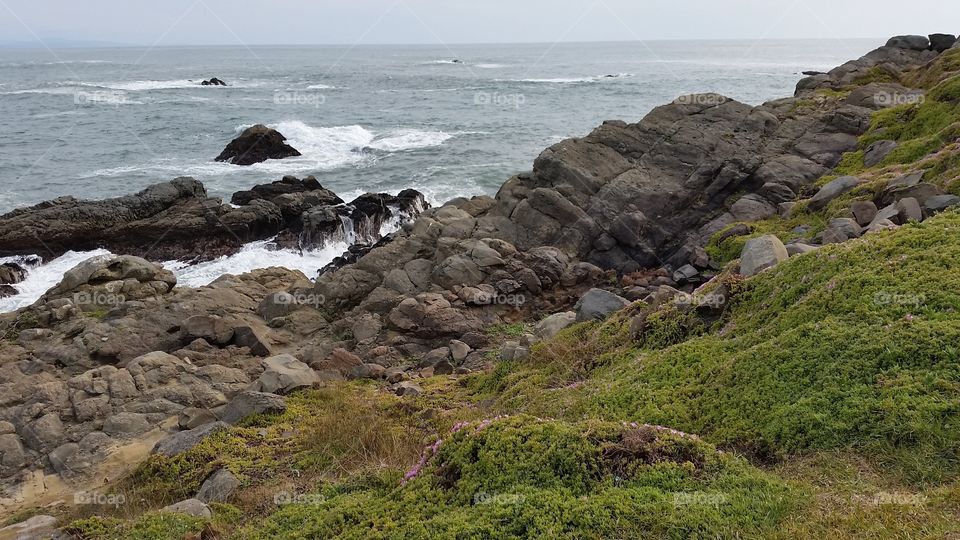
(321, 87)
(41, 279)
(443, 62)
(254, 256)
(570, 80)
(409, 139)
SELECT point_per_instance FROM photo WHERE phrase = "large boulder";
(914, 43)
(184, 441)
(942, 42)
(257, 144)
(832, 190)
(249, 403)
(762, 253)
(219, 487)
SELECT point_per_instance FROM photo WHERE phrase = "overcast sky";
(253, 22)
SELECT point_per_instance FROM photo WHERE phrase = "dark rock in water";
(813, 73)
(942, 42)
(361, 221)
(257, 144)
(11, 273)
(292, 196)
(172, 220)
(213, 82)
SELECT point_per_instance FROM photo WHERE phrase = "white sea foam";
(409, 139)
(321, 87)
(491, 66)
(254, 256)
(42, 278)
(571, 80)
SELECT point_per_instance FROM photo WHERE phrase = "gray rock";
(184, 441)
(686, 274)
(777, 193)
(800, 249)
(45, 433)
(888, 213)
(284, 374)
(876, 152)
(942, 42)
(247, 336)
(395, 375)
(12, 455)
(598, 304)
(908, 209)
(443, 367)
(408, 389)
(35, 528)
(914, 43)
(939, 203)
(275, 305)
(219, 487)
(882, 225)
(190, 507)
(247, 404)
(214, 330)
(126, 424)
(459, 351)
(848, 226)
(554, 324)
(762, 253)
(369, 371)
(833, 190)
(752, 208)
(864, 212)
(192, 418)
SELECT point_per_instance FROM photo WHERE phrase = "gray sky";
(252, 22)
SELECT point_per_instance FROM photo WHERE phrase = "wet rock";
(257, 144)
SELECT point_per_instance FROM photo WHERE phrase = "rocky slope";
(764, 283)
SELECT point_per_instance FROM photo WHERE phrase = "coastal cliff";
(720, 320)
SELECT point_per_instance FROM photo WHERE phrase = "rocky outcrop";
(213, 82)
(257, 144)
(362, 221)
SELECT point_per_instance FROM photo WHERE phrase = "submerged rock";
(257, 144)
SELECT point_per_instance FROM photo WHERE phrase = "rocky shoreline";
(631, 212)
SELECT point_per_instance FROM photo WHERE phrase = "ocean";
(448, 121)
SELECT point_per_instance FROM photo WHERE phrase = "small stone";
(459, 350)
(831, 191)
(909, 210)
(190, 507)
(864, 212)
(408, 389)
(554, 324)
(368, 371)
(800, 249)
(247, 404)
(219, 487)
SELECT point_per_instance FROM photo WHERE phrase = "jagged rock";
(168, 221)
(178, 443)
(190, 507)
(889, 213)
(218, 488)
(598, 304)
(248, 403)
(256, 144)
(916, 43)
(284, 374)
(45, 433)
(253, 339)
(832, 190)
(213, 82)
(361, 221)
(762, 253)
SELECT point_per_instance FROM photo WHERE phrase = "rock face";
(257, 144)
